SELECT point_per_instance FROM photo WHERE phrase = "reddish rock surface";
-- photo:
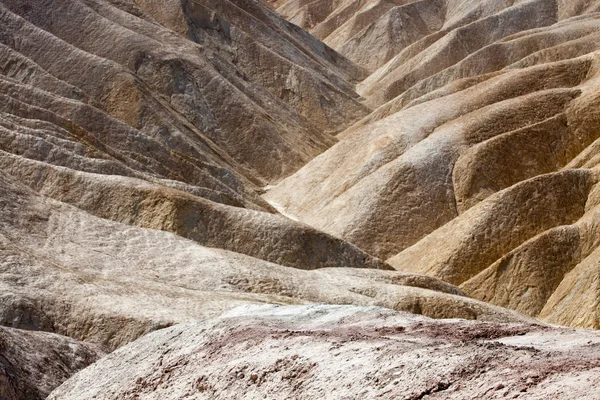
(343, 352)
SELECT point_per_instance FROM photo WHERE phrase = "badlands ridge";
(401, 203)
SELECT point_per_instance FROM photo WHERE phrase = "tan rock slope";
(478, 165)
(329, 352)
(32, 364)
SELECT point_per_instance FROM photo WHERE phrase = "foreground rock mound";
(330, 352)
(32, 364)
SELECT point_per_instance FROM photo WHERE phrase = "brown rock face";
(32, 364)
(219, 93)
(345, 352)
(172, 115)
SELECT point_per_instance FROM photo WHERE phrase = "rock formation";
(152, 131)
(330, 352)
(163, 162)
(32, 364)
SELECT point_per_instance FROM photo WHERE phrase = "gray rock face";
(32, 364)
(331, 352)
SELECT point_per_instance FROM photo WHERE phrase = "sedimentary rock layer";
(173, 115)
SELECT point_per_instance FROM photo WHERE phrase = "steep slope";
(478, 166)
(478, 41)
(173, 116)
(330, 352)
(436, 33)
(175, 93)
(32, 364)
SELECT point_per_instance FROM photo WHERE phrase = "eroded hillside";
(164, 162)
(478, 165)
(137, 139)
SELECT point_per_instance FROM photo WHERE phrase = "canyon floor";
(338, 199)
